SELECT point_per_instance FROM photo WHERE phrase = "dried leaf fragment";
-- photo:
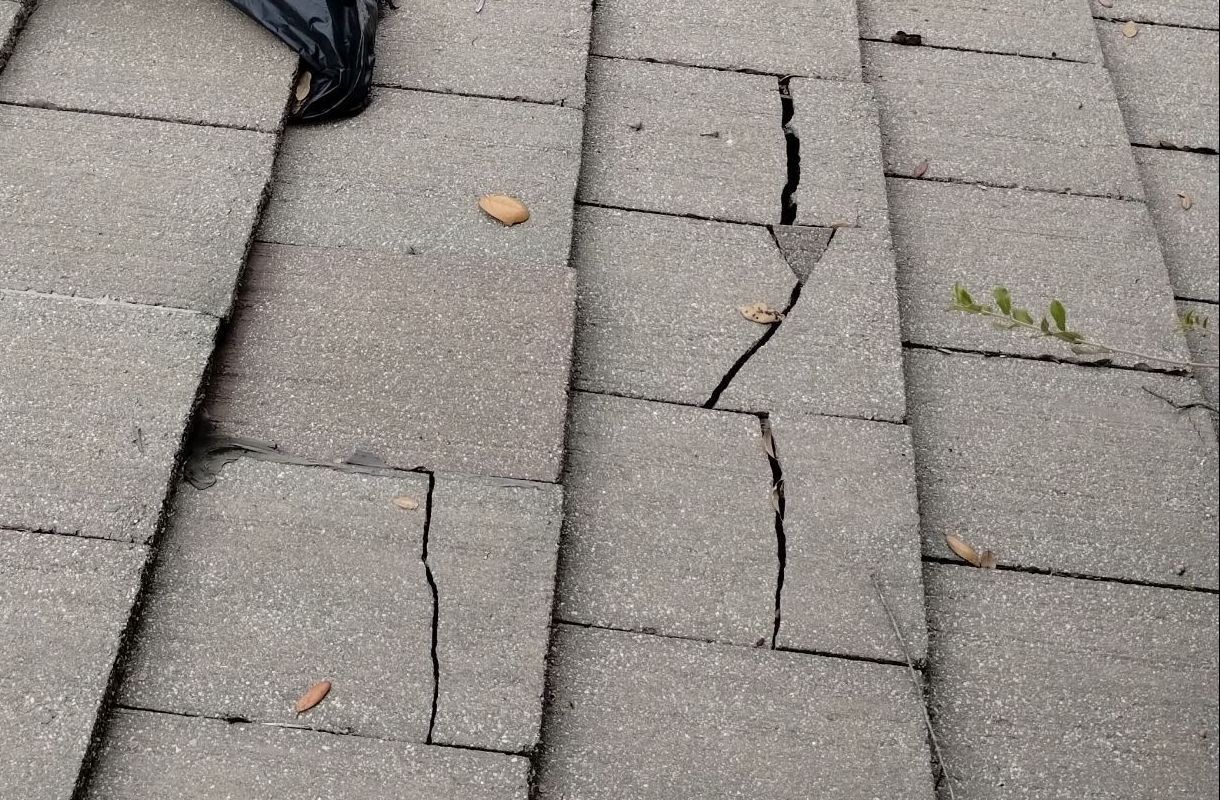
(920, 170)
(313, 695)
(909, 39)
(406, 503)
(988, 560)
(963, 550)
(1130, 29)
(1185, 201)
(300, 90)
(768, 442)
(761, 313)
(504, 208)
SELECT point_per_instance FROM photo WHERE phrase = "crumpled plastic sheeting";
(334, 39)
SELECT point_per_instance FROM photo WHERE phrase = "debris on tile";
(1185, 200)
(505, 209)
(313, 695)
(761, 313)
(902, 37)
(967, 553)
(406, 503)
(920, 170)
(1130, 29)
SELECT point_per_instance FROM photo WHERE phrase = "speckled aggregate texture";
(850, 517)
(491, 547)
(1190, 238)
(669, 526)
(425, 361)
(175, 758)
(1205, 347)
(659, 298)
(533, 50)
(190, 60)
(802, 247)
(1067, 468)
(64, 603)
(1098, 256)
(1052, 687)
(1000, 120)
(776, 36)
(151, 212)
(646, 718)
(683, 141)
(1167, 84)
(406, 174)
(96, 399)
(278, 577)
(1187, 13)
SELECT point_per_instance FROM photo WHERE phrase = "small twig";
(918, 684)
(1181, 406)
(479, 6)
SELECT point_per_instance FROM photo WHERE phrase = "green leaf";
(1060, 315)
(1045, 326)
(1021, 315)
(966, 299)
(1002, 299)
(1071, 337)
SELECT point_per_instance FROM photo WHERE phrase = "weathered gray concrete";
(1043, 28)
(1190, 238)
(842, 182)
(1098, 256)
(195, 61)
(278, 577)
(683, 141)
(406, 175)
(801, 247)
(1001, 120)
(1167, 84)
(65, 603)
(10, 13)
(534, 50)
(850, 517)
(1065, 468)
(647, 718)
(96, 398)
(1205, 347)
(659, 297)
(436, 362)
(838, 350)
(151, 212)
(177, 758)
(1188, 13)
(783, 38)
(1052, 687)
(670, 526)
(491, 548)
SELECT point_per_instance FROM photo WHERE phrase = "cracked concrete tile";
(783, 38)
(670, 525)
(65, 603)
(1167, 83)
(1187, 13)
(491, 548)
(841, 181)
(1204, 347)
(10, 13)
(88, 442)
(850, 512)
(151, 212)
(801, 247)
(406, 174)
(278, 577)
(1067, 468)
(434, 362)
(1053, 687)
(659, 298)
(838, 350)
(189, 60)
(649, 718)
(177, 758)
(1189, 237)
(1001, 120)
(533, 50)
(1099, 256)
(1042, 28)
(683, 141)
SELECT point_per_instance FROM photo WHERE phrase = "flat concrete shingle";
(194, 61)
(277, 577)
(65, 603)
(491, 548)
(670, 526)
(534, 50)
(102, 206)
(1066, 468)
(1189, 237)
(1098, 256)
(436, 362)
(838, 350)
(406, 175)
(1187, 13)
(1000, 120)
(683, 141)
(850, 517)
(175, 758)
(1205, 347)
(659, 297)
(1053, 687)
(646, 718)
(783, 38)
(97, 396)
(1167, 84)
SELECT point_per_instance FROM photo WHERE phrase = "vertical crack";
(793, 146)
(436, 604)
(781, 540)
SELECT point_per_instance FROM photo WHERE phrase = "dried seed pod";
(313, 695)
(505, 209)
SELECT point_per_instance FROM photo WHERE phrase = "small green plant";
(1054, 324)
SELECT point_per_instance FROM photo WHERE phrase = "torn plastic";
(334, 39)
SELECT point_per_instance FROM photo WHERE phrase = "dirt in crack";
(436, 605)
(787, 214)
(781, 540)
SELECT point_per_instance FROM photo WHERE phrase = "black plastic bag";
(334, 39)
